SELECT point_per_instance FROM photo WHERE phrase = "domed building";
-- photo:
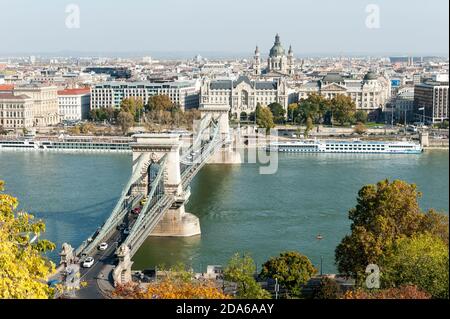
(370, 93)
(278, 62)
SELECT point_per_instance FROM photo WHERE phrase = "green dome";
(277, 50)
(333, 78)
(370, 76)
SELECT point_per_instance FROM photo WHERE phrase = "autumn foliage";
(23, 269)
(403, 292)
(172, 286)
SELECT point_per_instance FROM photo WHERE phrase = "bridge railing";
(189, 169)
(196, 143)
(156, 193)
(150, 221)
(123, 205)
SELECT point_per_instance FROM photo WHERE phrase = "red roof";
(6, 87)
(81, 91)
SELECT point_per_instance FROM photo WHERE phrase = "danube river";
(239, 209)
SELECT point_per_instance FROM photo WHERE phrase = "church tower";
(257, 62)
(290, 61)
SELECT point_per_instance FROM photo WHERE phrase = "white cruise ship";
(67, 145)
(316, 146)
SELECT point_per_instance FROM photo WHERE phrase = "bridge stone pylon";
(228, 153)
(176, 222)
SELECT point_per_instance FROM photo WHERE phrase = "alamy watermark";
(373, 16)
(373, 279)
(249, 145)
(72, 20)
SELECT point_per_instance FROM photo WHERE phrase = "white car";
(88, 262)
(103, 246)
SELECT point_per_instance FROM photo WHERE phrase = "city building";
(45, 103)
(16, 111)
(404, 104)
(278, 63)
(111, 94)
(369, 94)
(74, 104)
(431, 101)
(243, 95)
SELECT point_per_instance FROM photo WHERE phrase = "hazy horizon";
(184, 28)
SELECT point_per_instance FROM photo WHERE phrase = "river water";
(239, 209)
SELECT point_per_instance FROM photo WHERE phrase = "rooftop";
(81, 91)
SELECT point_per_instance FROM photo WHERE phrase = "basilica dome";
(277, 49)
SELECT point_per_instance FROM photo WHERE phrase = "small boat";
(319, 237)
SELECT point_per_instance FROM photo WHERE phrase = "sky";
(410, 27)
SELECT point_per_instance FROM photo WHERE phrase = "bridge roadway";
(99, 277)
(104, 262)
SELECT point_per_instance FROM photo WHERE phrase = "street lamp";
(319, 238)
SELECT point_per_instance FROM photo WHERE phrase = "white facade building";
(111, 94)
(74, 104)
(45, 103)
(16, 111)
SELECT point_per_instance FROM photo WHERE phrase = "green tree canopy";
(264, 118)
(384, 212)
(278, 112)
(132, 105)
(421, 260)
(291, 269)
(361, 116)
(314, 106)
(241, 270)
(343, 108)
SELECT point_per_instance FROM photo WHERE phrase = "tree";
(293, 110)
(403, 292)
(421, 260)
(309, 126)
(360, 129)
(159, 103)
(384, 212)
(86, 128)
(436, 224)
(361, 116)
(125, 120)
(241, 270)
(2, 130)
(177, 283)
(132, 105)
(23, 268)
(328, 289)
(343, 108)
(291, 269)
(314, 106)
(278, 112)
(264, 118)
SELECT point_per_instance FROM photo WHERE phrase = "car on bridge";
(137, 210)
(103, 246)
(126, 231)
(88, 262)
